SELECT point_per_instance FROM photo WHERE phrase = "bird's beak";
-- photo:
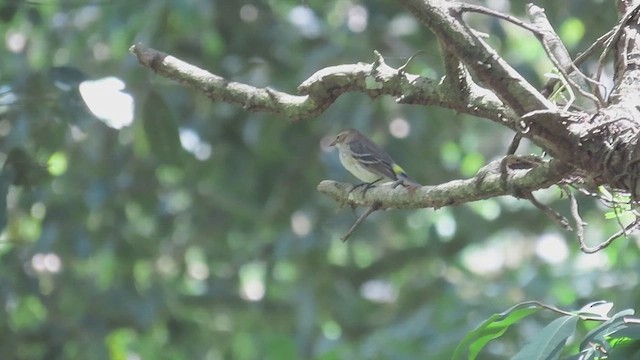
(333, 143)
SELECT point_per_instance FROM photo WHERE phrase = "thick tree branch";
(559, 55)
(456, 74)
(603, 144)
(490, 182)
(582, 57)
(553, 46)
(620, 121)
(443, 18)
(321, 89)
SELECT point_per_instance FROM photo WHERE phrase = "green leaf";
(549, 341)
(614, 324)
(490, 329)
(161, 129)
(630, 331)
(625, 350)
(599, 308)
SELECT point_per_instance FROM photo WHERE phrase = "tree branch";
(443, 18)
(375, 206)
(580, 59)
(559, 55)
(495, 91)
(456, 75)
(490, 182)
(321, 89)
(215, 87)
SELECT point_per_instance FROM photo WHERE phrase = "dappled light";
(108, 102)
(178, 180)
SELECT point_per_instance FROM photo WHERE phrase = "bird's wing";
(373, 158)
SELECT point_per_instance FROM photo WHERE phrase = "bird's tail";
(403, 179)
(408, 182)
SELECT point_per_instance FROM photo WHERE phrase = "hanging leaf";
(548, 343)
(606, 329)
(492, 328)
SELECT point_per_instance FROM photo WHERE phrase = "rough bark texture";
(601, 144)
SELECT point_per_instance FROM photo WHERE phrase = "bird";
(368, 162)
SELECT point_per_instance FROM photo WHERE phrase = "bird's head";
(343, 137)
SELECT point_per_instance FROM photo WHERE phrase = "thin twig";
(402, 68)
(545, 45)
(575, 213)
(511, 150)
(619, 233)
(600, 41)
(565, 312)
(581, 58)
(560, 220)
(558, 53)
(619, 221)
(375, 206)
(580, 228)
(483, 10)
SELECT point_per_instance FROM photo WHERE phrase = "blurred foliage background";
(179, 228)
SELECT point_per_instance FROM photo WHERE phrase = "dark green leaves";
(548, 343)
(22, 170)
(492, 328)
(615, 335)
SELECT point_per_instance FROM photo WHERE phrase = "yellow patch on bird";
(397, 169)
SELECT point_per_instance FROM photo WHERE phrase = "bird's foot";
(366, 186)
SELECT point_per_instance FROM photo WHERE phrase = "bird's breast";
(355, 168)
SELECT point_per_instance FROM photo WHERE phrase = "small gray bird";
(368, 162)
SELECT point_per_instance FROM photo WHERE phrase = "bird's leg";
(366, 185)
